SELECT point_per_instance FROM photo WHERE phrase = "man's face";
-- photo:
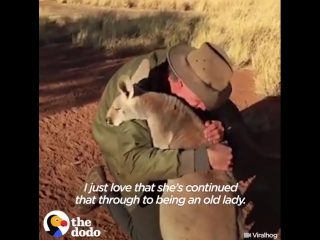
(180, 89)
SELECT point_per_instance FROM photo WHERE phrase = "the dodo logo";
(56, 223)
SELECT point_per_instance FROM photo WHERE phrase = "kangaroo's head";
(127, 106)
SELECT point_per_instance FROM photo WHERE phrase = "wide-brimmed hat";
(206, 71)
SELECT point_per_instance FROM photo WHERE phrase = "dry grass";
(248, 29)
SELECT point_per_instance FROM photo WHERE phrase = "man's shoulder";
(155, 58)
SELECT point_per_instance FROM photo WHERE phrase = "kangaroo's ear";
(142, 71)
(126, 88)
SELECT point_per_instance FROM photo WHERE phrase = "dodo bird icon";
(56, 223)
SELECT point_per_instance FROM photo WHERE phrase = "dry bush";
(119, 35)
(248, 29)
(250, 32)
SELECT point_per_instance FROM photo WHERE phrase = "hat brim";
(177, 59)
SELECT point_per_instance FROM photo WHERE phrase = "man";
(201, 77)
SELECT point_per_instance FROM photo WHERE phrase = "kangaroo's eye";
(117, 109)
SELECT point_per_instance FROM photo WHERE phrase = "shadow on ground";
(264, 192)
(72, 76)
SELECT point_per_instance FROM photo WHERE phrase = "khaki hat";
(206, 71)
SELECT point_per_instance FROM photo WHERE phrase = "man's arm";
(147, 163)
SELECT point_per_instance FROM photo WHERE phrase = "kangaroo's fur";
(174, 125)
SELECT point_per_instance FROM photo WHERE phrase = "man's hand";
(220, 157)
(214, 131)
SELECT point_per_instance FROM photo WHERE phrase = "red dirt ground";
(71, 82)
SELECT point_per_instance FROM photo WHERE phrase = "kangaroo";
(173, 125)
(127, 107)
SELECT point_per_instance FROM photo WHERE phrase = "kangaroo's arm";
(160, 134)
(182, 134)
(188, 137)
